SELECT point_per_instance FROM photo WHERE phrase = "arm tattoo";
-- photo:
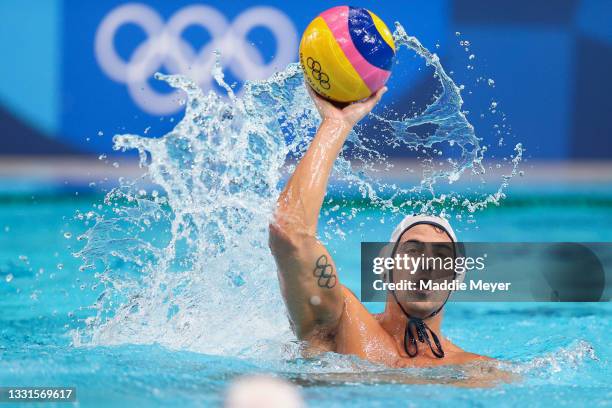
(324, 272)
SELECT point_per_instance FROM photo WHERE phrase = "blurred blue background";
(76, 72)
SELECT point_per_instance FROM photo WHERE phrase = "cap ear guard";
(459, 253)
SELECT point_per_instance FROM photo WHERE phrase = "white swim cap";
(411, 220)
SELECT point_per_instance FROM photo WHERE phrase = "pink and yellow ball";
(347, 53)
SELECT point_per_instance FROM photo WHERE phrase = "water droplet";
(60, 266)
(9, 278)
(67, 235)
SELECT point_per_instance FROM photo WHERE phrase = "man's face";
(433, 246)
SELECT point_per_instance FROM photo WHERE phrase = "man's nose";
(428, 254)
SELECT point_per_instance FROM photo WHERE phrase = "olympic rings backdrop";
(83, 68)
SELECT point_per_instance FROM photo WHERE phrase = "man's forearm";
(307, 273)
(302, 198)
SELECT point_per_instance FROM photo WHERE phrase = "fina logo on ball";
(164, 47)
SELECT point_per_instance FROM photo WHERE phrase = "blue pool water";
(561, 352)
(166, 293)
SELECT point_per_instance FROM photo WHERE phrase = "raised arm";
(308, 277)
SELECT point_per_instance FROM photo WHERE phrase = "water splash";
(565, 359)
(189, 267)
(445, 115)
(219, 169)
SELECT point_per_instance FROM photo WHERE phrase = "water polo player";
(322, 311)
(354, 45)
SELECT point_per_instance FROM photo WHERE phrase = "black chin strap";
(423, 332)
(421, 328)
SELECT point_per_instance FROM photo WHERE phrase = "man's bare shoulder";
(359, 333)
(353, 305)
(482, 371)
(356, 314)
(456, 353)
(464, 357)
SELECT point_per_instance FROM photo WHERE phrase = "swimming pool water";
(562, 351)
